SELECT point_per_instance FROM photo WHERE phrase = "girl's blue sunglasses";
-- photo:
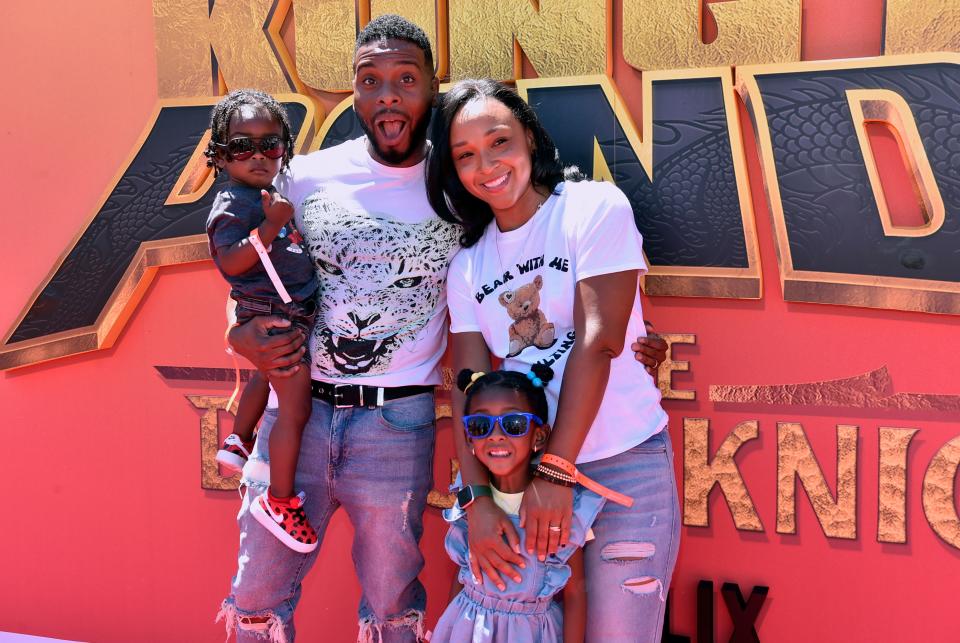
(516, 424)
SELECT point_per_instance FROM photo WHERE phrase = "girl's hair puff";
(512, 380)
(228, 106)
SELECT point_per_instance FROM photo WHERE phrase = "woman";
(547, 260)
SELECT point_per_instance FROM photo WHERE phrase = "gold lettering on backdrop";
(892, 485)
(426, 13)
(560, 38)
(677, 281)
(445, 499)
(939, 492)
(671, 366)
(666, 34)
(893, 293)
(210, 477)
(183, 51)
(326, 31)
(237, 34)
(196, 177)
(795, 459)
(915, 27)
(700, 476)
(890, 109)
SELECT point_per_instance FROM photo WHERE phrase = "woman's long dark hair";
(448, 197)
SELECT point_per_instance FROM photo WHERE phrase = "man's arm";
(650, 350)
(275, 353)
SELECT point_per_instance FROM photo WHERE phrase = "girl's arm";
(601, 313)
(488, 523)
(575, 601)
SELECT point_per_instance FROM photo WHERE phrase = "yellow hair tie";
(473, 378)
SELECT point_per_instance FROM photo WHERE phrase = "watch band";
(471, 492)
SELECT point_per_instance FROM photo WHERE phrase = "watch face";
(464, 497)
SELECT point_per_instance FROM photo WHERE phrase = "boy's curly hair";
(228, 106)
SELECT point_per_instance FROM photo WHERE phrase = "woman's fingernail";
(501, 587)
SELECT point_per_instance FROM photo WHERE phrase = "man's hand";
(489, 553)
(270, 344)
(545, 514)
(276, 208)
(650, 350)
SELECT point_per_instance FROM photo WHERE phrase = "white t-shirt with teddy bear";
(517, 288)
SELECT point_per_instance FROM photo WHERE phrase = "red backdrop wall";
(108, 536)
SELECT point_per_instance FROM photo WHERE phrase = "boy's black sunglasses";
(516, 425)
(243, 147)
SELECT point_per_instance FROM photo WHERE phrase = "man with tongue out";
(381, 255)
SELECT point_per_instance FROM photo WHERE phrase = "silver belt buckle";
(337, 395)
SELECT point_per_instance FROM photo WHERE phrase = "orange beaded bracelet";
(571, 469)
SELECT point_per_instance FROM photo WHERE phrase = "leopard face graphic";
(380, 283)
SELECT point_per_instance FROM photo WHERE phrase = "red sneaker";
(286, 520)
(234, 452)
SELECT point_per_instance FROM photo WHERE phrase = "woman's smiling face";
(491, 151)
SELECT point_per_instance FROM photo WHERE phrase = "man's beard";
(417, 138)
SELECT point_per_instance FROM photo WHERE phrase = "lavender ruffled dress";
(524, 612)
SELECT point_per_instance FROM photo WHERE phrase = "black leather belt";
(346, 395)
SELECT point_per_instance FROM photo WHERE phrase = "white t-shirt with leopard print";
(517, 288)
(381, 256)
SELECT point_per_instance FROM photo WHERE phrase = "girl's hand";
(489, 554)
(276, 207)
(546, 505)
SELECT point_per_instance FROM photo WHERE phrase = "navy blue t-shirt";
(236, 211)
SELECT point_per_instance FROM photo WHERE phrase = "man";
(381, 255)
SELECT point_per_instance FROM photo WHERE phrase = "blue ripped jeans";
(629, 563)
(376, 464)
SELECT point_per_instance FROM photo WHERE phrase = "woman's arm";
(601, 312)
(575, 601)
(488, 523)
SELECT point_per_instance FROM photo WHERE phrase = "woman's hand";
(275, 353)
(489, 553)
(546, 505)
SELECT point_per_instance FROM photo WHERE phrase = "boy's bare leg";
(252, 402)
(295, 404)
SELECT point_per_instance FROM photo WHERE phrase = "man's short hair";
(394, 27)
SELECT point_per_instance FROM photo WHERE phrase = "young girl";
(257, 249)
(502, 421)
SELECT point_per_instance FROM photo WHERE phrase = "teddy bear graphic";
(530, 326)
